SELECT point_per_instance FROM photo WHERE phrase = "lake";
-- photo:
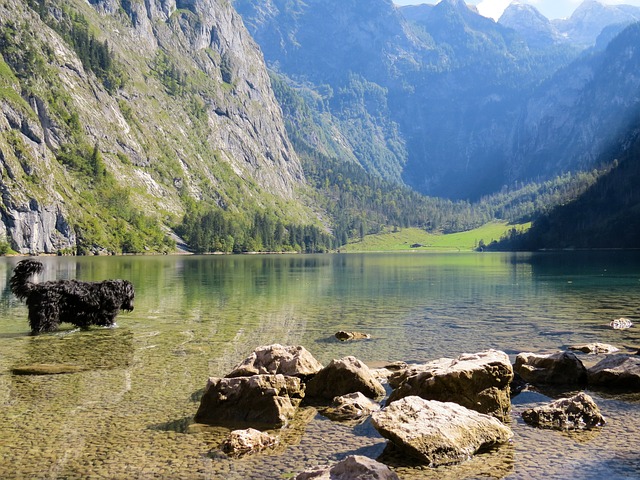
(126, 414)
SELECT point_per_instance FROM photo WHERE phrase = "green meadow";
(408, 239)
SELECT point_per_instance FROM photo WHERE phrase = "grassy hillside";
(403, 239)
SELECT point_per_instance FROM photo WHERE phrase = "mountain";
(591, 17)
(429, 102)
(118, 116)
(580, 112)
(445, 100)
(606, 215)
(536, 29)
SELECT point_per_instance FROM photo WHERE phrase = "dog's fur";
(80, 303)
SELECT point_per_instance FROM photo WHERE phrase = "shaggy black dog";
(80, 303)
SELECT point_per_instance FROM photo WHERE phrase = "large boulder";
(616, 371)
(354, 467)
(438, 433)
(477, 381)
(343, 376)
(576, 413)
(562, 368)
(243, 442)
(293, 361)
(256, 401)
(351, 407)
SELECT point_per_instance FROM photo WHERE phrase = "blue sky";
(549, 8)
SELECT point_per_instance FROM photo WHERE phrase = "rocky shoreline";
(437, 413)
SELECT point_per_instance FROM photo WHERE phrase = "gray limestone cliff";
(192, 117)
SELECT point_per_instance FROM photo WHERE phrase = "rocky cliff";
(115, 111)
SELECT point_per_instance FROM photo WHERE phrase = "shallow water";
(125, 414)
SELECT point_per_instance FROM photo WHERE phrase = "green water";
(126, 414)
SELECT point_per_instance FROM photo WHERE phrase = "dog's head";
(128, 293)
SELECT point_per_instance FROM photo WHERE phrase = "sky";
(549, 8)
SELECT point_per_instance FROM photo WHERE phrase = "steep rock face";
(193, 117)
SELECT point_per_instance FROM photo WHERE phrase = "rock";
(257, 401)
(47, 369)
(343, 376)
(354, 467)
(562, 368)
(242, 442)
(477, 381)
(594, 348)
(345, 336)
(621, 323)
(616, 371)
(353, 406)
(382, 374)
(276, 359)
(576, 413)
(438, 433)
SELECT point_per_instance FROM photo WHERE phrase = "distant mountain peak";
(591, 17)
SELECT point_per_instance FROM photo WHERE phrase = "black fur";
(80, 303)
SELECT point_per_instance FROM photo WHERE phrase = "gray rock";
(562, 368)
(276, 359)
(353, 406)
(576, 413)
(343, 376)
(242, 442)
(595, 348)
(354, 467)
(438, 433)
(477, 381)
(384, 373)
(616, 371)
(256, 401)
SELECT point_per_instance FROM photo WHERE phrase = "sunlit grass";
(408, 238)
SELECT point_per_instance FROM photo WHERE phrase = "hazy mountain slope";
(581, 111)
(607, 215)
(536, 29)
(192, 117)
(429, 98)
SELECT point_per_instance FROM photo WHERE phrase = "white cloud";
(493, 8)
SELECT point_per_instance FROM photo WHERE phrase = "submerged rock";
(595, 348)
(617, 371)
(438, 433)
(242, 442)
(562, 368)
(346, 336)
(257, 401)
(354, 467)
(47, 369)
(353, 406)
(477, 381)
(343, 376)
(576, 413)
(294, 361)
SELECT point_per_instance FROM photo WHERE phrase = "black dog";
(80, 303)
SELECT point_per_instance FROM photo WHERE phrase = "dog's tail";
(20, 284)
